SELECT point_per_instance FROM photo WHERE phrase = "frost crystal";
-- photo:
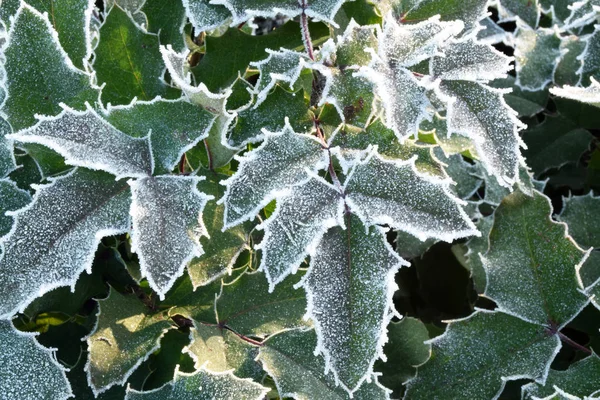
(589, 95)
(54, 238)
(167, 214)
(86, 140)
(205, 16)
(284, 159)
(297, 225)
(7, 156)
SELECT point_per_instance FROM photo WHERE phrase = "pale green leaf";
(477, 247)
(167, 225)
(490, 32)
(532, 265)
(349, 287)
(29, 371)
(506, 348)
(568, 69)
(203, 385)
(126, 333)
(127, 59)
(466, 182)
(300, 220)
(558, 8)
(537, 52)
(468, 11)
(527, 11)
(246, 306)
(591, 57)
(174, 126)
(205, 16)
(393, 193)
(524, 102)
(581, 379)
(11, 198)
(87, 140)
(54, 239)
(39, 74)
(219, 154)
(289, 358)
(282, 160)
(350, 49)
(7, 156)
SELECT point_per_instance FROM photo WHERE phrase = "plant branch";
(209, 154)
(573, 343)
(305, 32)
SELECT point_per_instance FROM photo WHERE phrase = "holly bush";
(309, 199)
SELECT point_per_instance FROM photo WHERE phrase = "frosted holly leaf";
(580, 379)
(220, 153)
(29, 371)
(394, 193)
(524, 102)
(288, 357)
(7, 156)
(205, 16)
(203, 385)
(477, 247)
(130, 5)
(405, 350)
(350, 93)
(409, 246)
(39, 74)
(553, 143)
(588, 95)
(355, 145)
(480, 113)
(461, 172)
(580, 213)
(507, 348)
(220, 350)
(246, 306)
(283, 65)
(350, 49)
(86, 140)
(532, 264)
(295, 228)
(568, 69)
(437, 128)
(54, 238)
(527, 11)
(537, 53)
(174, 126)
(11, 198)
(178, 68)
(490, 33)
(583, 12)
(468, 11)
(467, 59)
(221, 249)
(126, 333)
(558, 8)
(591, 57)
(349, 288)
(270, 115)
(244, 10)
(167, 225)
(284, 159)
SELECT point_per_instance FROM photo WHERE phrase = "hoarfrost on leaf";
(167, 214)
(392, 192)
(29, 371)
(299, 222)
(54, 238)
(205, 16)
(349, 288)
(537, 54)
(87, 140)
(11, 198)
(527, 11)
(203, 385)
(588, 95)
(284, 159)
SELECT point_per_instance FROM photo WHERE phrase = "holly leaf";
(568, 69)
(555, 142)
(533, 274)
(39, 74)
(86, 140)
(221, 248)
(477, 247)
(246, 306)
(507, 348)
(174, 127)
(282, 160)
(469, 11)
(167, 214)
(205, 16)
(589, 95)
(289, 358)
(537, 53)
(405, 351)
(203, 385)
(525, 103)
(580, 379)
(126, 333)
(383, 192)
(128, 60)
(293, 231)
(11, 198)
(527, 11)
(54, 238)
(7, 157)
(349, 289)
(591, 61)
(29, 371)
(167, 20)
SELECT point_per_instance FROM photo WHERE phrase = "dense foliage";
(310, 199)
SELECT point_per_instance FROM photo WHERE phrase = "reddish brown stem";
(573, 344)
(305, 32)
(182, 164)
(209, 154)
